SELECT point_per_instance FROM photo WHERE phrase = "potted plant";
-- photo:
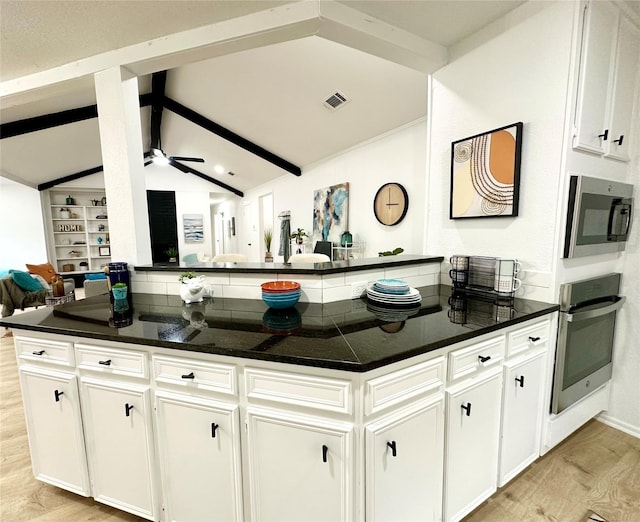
(65, 213)
(172, 252)
(298, 235)
(84, 265)
(268, 236)
(119, 291)
(393, 252)
(191, 287)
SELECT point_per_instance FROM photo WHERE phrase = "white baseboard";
(630, 429)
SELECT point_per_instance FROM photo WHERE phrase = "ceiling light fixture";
(159, 157)
(219, 169)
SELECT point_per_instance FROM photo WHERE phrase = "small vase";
(119, 293)
(268, 257)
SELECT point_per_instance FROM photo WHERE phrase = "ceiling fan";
(156, 154)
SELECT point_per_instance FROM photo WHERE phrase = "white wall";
(398, 156)
(521, 75)
(21, 226)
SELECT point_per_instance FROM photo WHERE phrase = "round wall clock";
(391, 203)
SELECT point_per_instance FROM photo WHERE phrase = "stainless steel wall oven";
(585, 338)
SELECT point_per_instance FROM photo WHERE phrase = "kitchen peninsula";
(228, 410)
(320, 282)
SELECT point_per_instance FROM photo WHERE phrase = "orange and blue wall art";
(485, 174)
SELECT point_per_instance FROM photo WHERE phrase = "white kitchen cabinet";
(300, 467)
(623, 94)
(404, 459)
(606, 81)
(118, 426)
(472, 437)
(521, 415)
(54, 424)
(199, 450)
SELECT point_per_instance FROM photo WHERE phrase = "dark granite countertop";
(345, 335)
(334, 267)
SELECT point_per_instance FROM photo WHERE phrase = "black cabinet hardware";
(520, 381)
(188, 376)
(325, 450)
(604, 135)
(467, 408)
(57, 395)
(392, 445)
(619, 140)
(39, 352)
(484, 358)
(127, 409)
(214, 427)
(534, 339)
(105, 363)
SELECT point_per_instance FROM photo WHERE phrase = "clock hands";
(389, 204)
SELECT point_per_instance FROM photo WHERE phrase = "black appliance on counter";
(585, 338)
(598, 216)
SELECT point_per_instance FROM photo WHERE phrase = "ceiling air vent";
(335, 100)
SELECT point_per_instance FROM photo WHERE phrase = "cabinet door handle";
(520, 381)
(38, 352)
(57, 394)
(467, 408)
(325, 450)
(214, 427)
(619, 140)
(534, 339)
(483, 358)
(105, 363)
(127, 409)
(188, 376)
(604, 135)
(392, 445)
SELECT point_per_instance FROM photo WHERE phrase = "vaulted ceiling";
(269, 94)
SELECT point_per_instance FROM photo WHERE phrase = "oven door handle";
(590, 314)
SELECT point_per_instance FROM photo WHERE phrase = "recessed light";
(219, 169)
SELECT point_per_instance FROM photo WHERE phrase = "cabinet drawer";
(388, 390)
(303, 390)
(51, 352)
(528, 338)
(112, 361)
(466, 362)
(193, 374)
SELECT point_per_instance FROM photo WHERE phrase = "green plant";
(184, 276)
(119, 285)
(268, 236)
(171, 252)
(299, 234)
(393, 252)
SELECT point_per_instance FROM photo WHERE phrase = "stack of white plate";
(393, 292)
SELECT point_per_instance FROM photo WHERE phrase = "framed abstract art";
(485, 174)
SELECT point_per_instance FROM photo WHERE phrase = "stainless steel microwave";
(598, 216)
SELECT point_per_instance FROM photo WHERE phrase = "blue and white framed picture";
(193, 227)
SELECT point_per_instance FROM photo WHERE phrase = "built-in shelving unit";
(77, 229)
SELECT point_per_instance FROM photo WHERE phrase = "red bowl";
(274, 287)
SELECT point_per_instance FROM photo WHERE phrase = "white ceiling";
(270, 95)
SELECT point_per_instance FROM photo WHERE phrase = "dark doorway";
(162, 224)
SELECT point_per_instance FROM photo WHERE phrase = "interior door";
(163, 226)
(250, 241)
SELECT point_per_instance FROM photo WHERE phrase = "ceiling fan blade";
(183, 158)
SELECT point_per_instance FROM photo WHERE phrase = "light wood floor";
(597, 468)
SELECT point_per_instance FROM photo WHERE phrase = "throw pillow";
(25, 281)
(46, 270)
(99, 275)
(41, 280)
